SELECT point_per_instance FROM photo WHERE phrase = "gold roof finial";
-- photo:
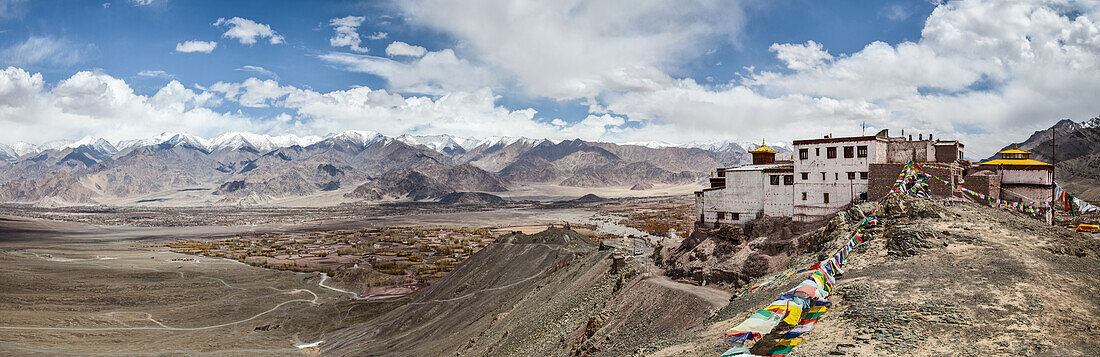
(763, 149)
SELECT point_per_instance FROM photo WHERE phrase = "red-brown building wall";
(883, 176)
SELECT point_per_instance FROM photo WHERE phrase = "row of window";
(733, 215)
(830, 152)
(787, 180)
(836, 176)
(825, 199)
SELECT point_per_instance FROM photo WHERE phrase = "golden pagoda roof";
(1017, 162)
(763, 149)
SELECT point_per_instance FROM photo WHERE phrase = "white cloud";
(106, 5)
(398, 48)
(258, 70)
(196, 46)
(801, 57)
(896, 12)
(93, 103)
(41, 50)
(983, 72)
(154, 73)
(142, 2)
(346, 35)
(576, 49)
(435, 73)
(378, 36)
(246, 31)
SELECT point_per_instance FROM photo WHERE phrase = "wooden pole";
(1054, 167)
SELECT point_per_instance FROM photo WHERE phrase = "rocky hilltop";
(937, 279)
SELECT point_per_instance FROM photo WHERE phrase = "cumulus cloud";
(42, 50)
(247, 31)
(438, 72)
(983, 72)
(801, 57)
(94, 103)
(378, 36)
(398, 48)
(472, 113)
(346, 35)
(196, 46)
(578, 49)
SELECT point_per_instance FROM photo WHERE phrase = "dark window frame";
(861, 151)
(805, 176)
(804, 196)
(863, 175)
(849, 152)
(830, 152)
(775, 180)
(826, 197)
(851, 175)
(803, 154)
(788, 180)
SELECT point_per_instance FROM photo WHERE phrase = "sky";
(629, 71)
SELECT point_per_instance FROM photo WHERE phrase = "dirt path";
(717, 298)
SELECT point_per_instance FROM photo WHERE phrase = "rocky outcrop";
(401, 184)
(472, 198)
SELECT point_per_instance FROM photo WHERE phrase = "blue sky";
(601, 70)
(124, 38)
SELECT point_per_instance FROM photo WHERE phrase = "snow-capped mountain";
(1091, 123)
(98, 144)
(167, 139)
(654, 144)
(507, 140)
(7, 153)
(260, 142)
(441, 143)
(22, 148)
(735, 145)
(358, 138)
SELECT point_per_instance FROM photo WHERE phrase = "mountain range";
(246, 168)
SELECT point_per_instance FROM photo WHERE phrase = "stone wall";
(883, 176)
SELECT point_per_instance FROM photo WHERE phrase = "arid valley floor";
(936, 278)
(110, 282)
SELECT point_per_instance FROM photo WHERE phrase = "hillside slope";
(945, 279)
(547, 294)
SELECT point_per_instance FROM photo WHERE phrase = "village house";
(823, 176)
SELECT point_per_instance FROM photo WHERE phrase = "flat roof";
(760, 167)
(838, 140)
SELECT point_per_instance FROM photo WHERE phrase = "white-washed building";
(824, 176)
(742, 193)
